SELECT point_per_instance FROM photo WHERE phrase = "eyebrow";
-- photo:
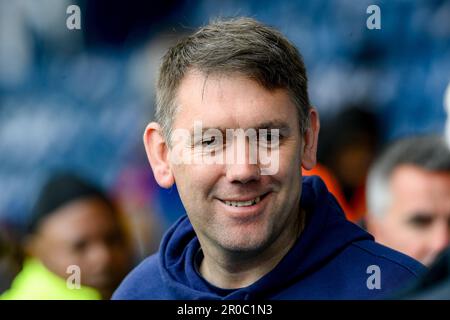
(281, 125)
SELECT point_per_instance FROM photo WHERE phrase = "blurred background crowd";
(74, 105)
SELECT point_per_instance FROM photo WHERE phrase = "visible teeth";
(243, 203)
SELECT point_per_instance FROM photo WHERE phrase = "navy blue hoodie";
(332, 259)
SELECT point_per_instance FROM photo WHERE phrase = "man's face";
(417, 222)
(84, 233)
(232, 102)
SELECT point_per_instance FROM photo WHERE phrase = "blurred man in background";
(408, 196)
(74, 227)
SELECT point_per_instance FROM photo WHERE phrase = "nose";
(243, 169)
(243, 173)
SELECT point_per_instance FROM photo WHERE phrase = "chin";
(244, 243)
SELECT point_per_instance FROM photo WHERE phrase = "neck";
(232, 270)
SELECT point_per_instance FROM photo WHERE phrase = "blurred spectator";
(408, 197)
(11, 257)
(73, 223)
(348, 143)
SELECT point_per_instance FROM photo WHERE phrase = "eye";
(209, 141)
(80, 245)
(212, 143)
(270, 138)
(421, 221)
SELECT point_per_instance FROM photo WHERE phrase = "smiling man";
(249, 232)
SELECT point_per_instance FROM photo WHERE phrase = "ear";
(158, 155)
(310, 140)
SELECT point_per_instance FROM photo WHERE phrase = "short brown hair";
(241, 46)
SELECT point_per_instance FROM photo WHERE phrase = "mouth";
(245, 207)
(244, 203)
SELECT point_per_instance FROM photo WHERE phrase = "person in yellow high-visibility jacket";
(36, 282)
(76, 245)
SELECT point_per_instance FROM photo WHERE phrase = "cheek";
(195, 182)
(416, 248)
(398, 230)
(405, 237)
(60, 258)
(289, 167)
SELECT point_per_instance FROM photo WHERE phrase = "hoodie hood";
(327, 232)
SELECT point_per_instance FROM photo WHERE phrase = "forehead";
(232, 101)
(415, 188)
(86, 216)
